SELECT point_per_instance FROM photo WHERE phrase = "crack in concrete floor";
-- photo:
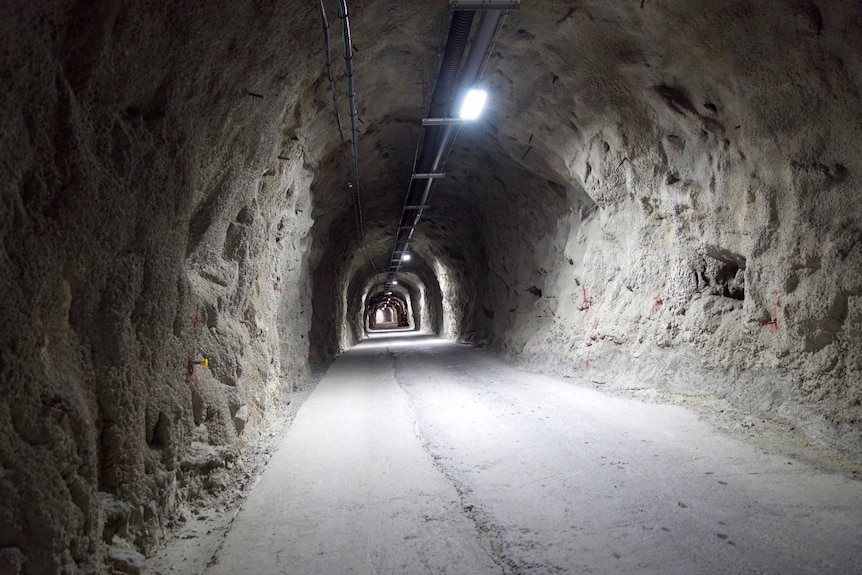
(442, 459)
(488, 533)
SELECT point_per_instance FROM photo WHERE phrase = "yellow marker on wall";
(204, 362)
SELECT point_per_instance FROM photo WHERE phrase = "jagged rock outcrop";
(665, 193)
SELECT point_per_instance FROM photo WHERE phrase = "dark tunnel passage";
(204, 205)
(388, 310)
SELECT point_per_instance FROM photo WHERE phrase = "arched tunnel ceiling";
(394, 79)
(656, 114)
(563, 78)
(486, 170)
(645, 147)
(664, 193)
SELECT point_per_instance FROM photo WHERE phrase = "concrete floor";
(415, 455)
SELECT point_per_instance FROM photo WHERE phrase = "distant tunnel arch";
(388, 310)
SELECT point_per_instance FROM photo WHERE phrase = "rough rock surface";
(663, 193)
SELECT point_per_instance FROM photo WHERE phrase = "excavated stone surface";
(723, 255)
(665, 194)
(147, 222)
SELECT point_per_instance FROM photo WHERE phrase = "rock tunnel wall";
(665, 193)
(146, 221)
(723, 252)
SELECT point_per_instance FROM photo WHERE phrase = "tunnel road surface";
(415, 455)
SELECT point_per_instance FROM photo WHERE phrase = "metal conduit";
(459, 32)
(456, 43)
(351, 89)
(347, 42)
(469, 76)
(440, 143)
(329, 70)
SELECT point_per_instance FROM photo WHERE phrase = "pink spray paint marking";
(585, 306)
(592, 336)
(773, 323)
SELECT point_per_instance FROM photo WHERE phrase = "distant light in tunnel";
(405, 258)
(473, 104)
(407, 338)
(395, 282)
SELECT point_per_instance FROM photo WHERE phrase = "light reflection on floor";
(399, 338)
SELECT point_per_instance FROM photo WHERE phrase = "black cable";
(347, 44)
(329, 72)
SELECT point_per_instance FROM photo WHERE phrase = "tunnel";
(208, 205)
(388, 310)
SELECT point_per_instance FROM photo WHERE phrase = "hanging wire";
(353, 158)
(347, 44)
(332, 89)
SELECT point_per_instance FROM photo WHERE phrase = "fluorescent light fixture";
(473, 104)
(405, 258)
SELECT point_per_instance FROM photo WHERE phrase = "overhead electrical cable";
(353, 156)
(453, 82)
(332, 88)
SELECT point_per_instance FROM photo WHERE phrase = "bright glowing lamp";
(405, 258)
(395, 282)
(473, 104)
